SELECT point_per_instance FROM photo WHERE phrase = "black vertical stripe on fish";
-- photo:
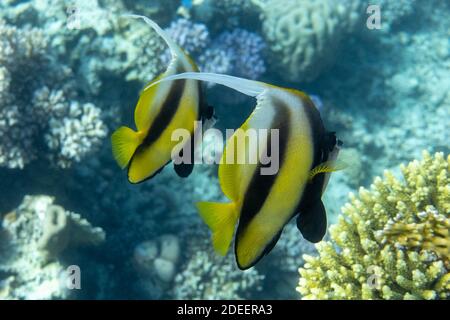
(317, 130)
(311, 215)
(202, 105)
(260, 185)
(166, 113)
(183, 170)
(168, 110)
(312, 192)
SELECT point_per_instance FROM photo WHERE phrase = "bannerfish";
(261, 205)
(161, 109)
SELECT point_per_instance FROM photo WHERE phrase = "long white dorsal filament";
(172, 45)
(245, 86)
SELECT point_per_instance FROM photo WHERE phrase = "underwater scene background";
(71, 73)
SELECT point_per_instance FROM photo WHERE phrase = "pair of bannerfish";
(260, 205)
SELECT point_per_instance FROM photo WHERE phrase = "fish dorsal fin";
(248, 87)
(174, 48)
(234, 177)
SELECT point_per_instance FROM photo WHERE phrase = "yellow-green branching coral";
(391, 242)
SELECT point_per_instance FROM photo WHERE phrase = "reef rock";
(32, 237)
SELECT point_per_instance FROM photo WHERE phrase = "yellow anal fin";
(124, 143)
(327, 167)
(221, 218)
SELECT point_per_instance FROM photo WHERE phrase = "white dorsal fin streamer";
(245, 86)
(172, 45)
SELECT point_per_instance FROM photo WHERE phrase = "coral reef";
(303, 36)
(206, 275)
(74, 129)
(238, 52)
(225, 13)
(162, 11)
(192, 37)
(393, 12)
(163, 205)
(134, 51)
(366, 260)
(158, 258)
(68, 69)
(400, 93)
(39, 116)
(97, 44)
(430, 232)
(32, 238)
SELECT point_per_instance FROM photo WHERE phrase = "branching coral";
(373, 255)
(430, 232)
(72, 137)
(303, 35)
(39, 113)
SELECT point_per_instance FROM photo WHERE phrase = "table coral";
(365, 261)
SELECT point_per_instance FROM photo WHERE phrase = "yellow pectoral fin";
(124, 143)
(326, 167)
(221, 218)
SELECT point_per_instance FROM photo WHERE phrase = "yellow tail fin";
(124, 143)
(221, 218)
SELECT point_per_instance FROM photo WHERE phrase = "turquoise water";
(71, 74)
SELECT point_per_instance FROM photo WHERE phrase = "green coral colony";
(392, 241)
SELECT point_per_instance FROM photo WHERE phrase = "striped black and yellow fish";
(161, 109)
(261, 205)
